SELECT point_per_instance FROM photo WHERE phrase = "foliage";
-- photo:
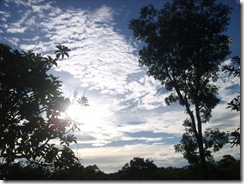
(138, 164)
(79, 100)
(234, 69)
(138, 168)
(32, 111)
(227, 168)
(184, 48)
(62, 51)
(235, 138)
(235, 103)
(213, 141)
(20, 171)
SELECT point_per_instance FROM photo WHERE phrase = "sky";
(127, 116)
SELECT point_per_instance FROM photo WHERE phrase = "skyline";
(127, 114)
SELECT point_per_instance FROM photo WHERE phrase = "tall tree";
(184, 46)
(33, 125)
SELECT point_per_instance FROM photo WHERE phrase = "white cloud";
(102, 15)
(13, 40)
(39, 9)
(16, 29)
(27, 14)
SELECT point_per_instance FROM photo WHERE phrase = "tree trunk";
(202, 156)
(197, 130)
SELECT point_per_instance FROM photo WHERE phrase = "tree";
(139, 164)
(93, 169)
(33, 125)
(184, 47)
(227, 159)
(138, 168)
(235, 104)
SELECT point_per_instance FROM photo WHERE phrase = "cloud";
(170, 122)
(19, 26)
(4, 16)
(14, 41)
(16, 29)
(229, 86)
(224, 119)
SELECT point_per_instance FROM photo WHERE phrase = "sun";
(74, 111)
(91, 116)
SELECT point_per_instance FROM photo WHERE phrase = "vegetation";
(137, 169)
(32, 113)
(184, 47)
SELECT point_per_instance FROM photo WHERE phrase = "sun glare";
(91, 116)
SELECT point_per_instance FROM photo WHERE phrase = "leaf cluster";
(235, 138)
(234, 67)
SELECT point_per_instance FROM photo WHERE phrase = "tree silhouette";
(227, 159)
(138, 169)
(33, 125)
(139, 164)
(184, 47)
(62, 51)
(226, 168)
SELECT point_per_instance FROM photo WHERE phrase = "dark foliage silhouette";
(227, 168)
(138, 168)
(32, 112)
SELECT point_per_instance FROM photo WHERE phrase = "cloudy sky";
(127, 116)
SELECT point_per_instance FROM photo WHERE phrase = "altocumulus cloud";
(124, 101)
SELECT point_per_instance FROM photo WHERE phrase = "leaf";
(83, 101)
(58, 55)
(62, 51)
